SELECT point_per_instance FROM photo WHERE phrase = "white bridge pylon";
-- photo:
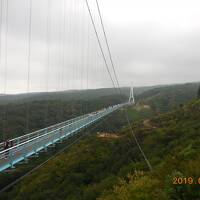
(131, 96)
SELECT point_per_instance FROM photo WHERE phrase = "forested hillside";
(165, 98)
(181, 92)
(112, 168)
(41, 114)
(44, 109)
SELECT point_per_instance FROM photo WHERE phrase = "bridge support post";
(25, 160)
(10, 156)
(45, 148)
(36, 154)
(131, 97)
(61, 134)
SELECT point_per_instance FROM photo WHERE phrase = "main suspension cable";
(118, 85)
(99, 42)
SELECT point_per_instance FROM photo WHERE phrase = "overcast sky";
(152, 42)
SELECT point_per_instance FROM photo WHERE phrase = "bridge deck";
(30, 144)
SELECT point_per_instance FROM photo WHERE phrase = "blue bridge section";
(30, 144)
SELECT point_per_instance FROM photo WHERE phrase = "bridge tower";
(131, 97)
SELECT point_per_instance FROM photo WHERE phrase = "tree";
(198, 93)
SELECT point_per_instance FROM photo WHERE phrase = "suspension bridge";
(29, 144)
(73, 53)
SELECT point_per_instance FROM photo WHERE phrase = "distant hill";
(69, 95)
(64, 95)
(176, 94)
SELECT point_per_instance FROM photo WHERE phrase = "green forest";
(44, 109)
(40, 114)
(112, 167)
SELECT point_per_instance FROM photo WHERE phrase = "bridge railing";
(24, 149)
(26, 137)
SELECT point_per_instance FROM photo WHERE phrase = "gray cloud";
(154, 44)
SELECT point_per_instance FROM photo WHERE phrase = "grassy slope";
(97, 168)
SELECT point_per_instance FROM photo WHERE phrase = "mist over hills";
(68, 95)
(182, 92)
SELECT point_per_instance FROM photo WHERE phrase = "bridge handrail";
(48, 133)
(9, 157)
(80, 118)
(40, 130)
(40, 136)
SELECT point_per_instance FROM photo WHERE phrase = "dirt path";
(148, 124)
(107, 135)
